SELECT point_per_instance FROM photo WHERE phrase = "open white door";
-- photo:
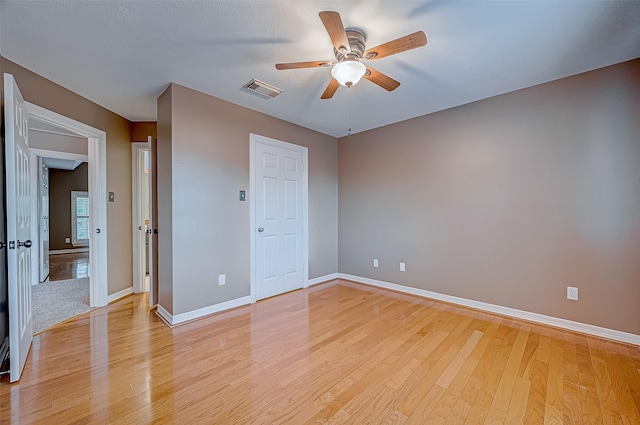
(19, 205)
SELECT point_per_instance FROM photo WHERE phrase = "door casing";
(97, 159)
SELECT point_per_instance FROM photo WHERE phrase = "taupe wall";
(210, 164)
(58, 143)
(143, 129)
(164, 167)
(49, 95)
(508, 200)
(61, 183)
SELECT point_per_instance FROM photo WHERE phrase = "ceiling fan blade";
(331, 89)
(381, 79)
(402, 44)
(333, 24)
(298, 65)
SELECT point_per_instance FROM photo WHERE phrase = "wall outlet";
(375, 262)
(402, 267)
(67, 240)
(572, 293)
(221, 279)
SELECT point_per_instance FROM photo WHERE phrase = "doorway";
(63, 289)
(141, 216)
(93, 151)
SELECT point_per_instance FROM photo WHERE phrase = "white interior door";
(43, 209)
(19, 205)
(279, 219)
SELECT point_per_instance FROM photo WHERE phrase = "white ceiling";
(122, 55)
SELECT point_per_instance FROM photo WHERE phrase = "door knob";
(26, 244)
(2, 245)
(260, 229)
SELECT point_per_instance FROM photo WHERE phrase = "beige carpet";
(55, 302)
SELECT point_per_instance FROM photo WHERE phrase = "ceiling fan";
(349, 50)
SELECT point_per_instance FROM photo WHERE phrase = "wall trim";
(120, 294)
(505, 311)
(68, 251)
(323, 279)
(177, 319)
(163, 314)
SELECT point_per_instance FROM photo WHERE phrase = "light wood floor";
(336, 353)
(68, 266)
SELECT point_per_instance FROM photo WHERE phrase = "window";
(79, 218)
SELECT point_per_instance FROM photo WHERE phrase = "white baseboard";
(322, 279)
(68, 251)
(120, 294)
(164, 315)
(505, 311)
(172, 320)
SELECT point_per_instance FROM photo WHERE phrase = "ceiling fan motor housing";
(357, 39)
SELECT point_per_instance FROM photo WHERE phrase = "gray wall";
(508, 200)
(210, 226)
(61, 183)
(42, 92)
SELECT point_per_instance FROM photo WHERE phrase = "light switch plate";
(112, 197)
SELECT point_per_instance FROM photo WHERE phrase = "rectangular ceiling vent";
(263, 89)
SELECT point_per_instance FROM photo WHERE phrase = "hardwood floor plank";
(620, 386)
(502, 397)
(606, 396)
(589, 403)
(572, 412)
(483, 356)
(340, 353)
(554, 402)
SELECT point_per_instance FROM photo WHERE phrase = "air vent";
(263, 89)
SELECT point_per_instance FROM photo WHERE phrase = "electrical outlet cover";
(572, 293)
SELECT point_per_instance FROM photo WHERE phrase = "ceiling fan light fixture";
(348, 72)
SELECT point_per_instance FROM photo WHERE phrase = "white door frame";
(138, 244)
(253, 139)
(153, 222)
(43, 273)
(97, 159)
(35, 211)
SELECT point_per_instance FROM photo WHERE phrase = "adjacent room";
(323, 212)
